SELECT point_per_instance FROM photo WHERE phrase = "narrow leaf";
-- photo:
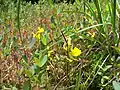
(44, 40)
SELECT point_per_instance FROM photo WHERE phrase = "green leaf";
(107, 67)
(28, 73)
(40, 75)
(116, 48)
(50, 2)
(44, 40)
(6, 51)
(37, 61)
(25, 58)
(32, 70)
(42, 61)
(77, 1)
(14, 88)
(1, 37)
(99, 73)
(116, 85)
(102, 80)
(106, 77)
(118, 65)
(26, 85)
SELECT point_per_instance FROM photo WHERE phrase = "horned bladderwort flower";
(72, 51)
(37, 35)
(75, 52)
(40, 30)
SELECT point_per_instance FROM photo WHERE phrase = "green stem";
(97, 5)
(114, 22)
(84, 12)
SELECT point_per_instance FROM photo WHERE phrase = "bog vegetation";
(59, 45)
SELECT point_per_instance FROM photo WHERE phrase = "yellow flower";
(36, 35)
(75, 52)
(40, 30)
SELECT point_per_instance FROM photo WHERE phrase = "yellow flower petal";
(38, 36)
(40, 30)
(75, 52)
